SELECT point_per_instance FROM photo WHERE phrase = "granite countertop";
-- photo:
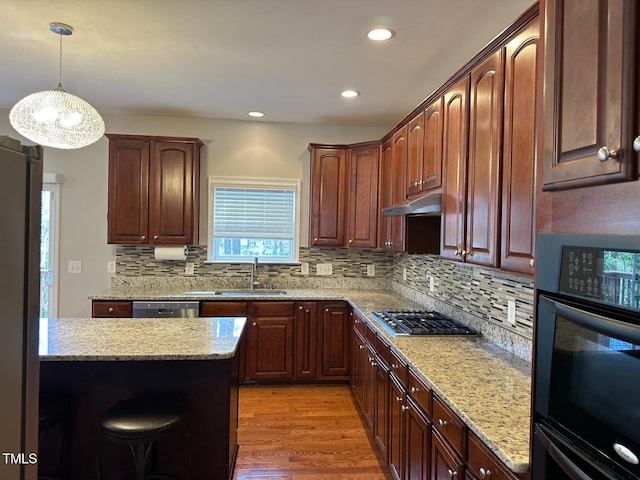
(488, 387)
(110, 339)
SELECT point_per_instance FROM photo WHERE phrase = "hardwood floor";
(304, 432)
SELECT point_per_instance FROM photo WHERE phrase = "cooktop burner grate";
(418, 322)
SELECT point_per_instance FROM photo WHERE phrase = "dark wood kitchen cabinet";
(591, 92)
(415, 154)
(154, 185)
(454, 171)
(519, 152)
(424, 154)
(270, 341)
(482, 463)
(393, 186)
(306, 343)
(336, 339)
(362, 221)
(328, 195)
(446, 464)
(111, 308)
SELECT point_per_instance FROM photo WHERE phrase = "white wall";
(234, 148)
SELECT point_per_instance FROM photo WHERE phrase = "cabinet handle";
(254, 324)
(532, 262)
(155, 237)
(469, 253)
(350, 241)
(315, 239)
(443, 423)
(452, 473)
(300, 307)
(110, 309)
(361, 347)
(415, 389)
(399, 399)
(404, 408)
(636, 144)
(458, 252)
(143, 237)
(605, 154)
(373, 364)
(326, 309)
(463, 252)
(485, 473)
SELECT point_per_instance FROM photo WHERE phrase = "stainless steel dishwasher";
(161, 309)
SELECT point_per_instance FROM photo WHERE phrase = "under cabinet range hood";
(429, 204)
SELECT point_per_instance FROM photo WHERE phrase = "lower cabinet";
(306, 344)
(417, 455)
(335, 335)
(445, 462)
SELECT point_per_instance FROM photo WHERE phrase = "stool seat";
(142, 419)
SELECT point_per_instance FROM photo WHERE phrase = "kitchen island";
(92, 363)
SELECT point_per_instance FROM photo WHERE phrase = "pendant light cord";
(60, 64)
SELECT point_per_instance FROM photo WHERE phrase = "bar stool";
(139, 423)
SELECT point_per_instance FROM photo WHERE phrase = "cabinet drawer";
(360, 324)
(420, 392)
(382, 349)
(484, 463)
(112, 309)
(223, 309)
(273, 309)
(449, 425)
(399, 368)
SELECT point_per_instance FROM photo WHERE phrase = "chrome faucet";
(254, 267)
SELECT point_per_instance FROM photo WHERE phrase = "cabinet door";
(335, 340)
(328, 197)
(432, 156)
(363, 196)
(483, 168)
(415, 155)
(396, 429)
(445, 464)
(519, 151)
(270, 348)
(380, 392)
(386, 193)
(454, 160)
(174, 183)
(590, 65)
(111, 308)
(399, 195)
(306, 328)
(417, 444)
(358, 366)
(128, 216)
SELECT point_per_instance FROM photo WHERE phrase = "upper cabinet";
(328, 195)
(424, 150)
(393, 184)
(344, 195)
(590, 93)
(154, 190)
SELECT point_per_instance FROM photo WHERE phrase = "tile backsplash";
(476, 296)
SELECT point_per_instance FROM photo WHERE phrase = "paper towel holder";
(171, 252)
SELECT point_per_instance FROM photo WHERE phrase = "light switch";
(75, 266)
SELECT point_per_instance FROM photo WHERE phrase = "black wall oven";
(586, 381)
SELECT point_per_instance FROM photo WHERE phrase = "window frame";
(292, 184)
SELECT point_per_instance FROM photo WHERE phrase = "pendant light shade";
(56, 118)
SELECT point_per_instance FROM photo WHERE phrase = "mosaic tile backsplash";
(476, 296)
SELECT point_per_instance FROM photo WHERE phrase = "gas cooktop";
(420, 322)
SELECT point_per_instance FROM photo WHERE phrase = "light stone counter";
(488, 387)
(108, 339)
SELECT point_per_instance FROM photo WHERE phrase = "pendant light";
(56, 118)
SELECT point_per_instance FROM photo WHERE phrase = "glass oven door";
(587, 394)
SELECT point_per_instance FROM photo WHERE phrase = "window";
(49, 221)
(253, 217)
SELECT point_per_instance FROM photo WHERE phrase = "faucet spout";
(254, 267)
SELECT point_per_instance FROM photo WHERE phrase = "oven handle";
(592, 321)
(561, 459)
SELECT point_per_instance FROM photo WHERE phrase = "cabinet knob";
(458, 252)
(468, 254)
(326, 309)
(636, 144)
(532, 262)
(254, 324)
(415, 389)
(361, 347)
(155, 237)
(315, 239)
(605, 154)
(373, 364)
(485, 473)
(110, 309)
(464, 252)
(350, 241)
(452, 473)
(143, 237)
(442, 423)
(398, 399)
(404, 408)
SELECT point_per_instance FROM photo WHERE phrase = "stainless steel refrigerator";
(20, 193)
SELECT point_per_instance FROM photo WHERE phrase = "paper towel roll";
(171, 253)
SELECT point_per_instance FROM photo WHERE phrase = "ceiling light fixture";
(381, 34)
(55, 118)
(349, 93)
(255, 114)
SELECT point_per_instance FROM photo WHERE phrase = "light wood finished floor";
(309, 432)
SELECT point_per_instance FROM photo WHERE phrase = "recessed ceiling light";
(255, 114)
(350, 93)
(381, 34)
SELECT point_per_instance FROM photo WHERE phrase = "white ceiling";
(223, 58)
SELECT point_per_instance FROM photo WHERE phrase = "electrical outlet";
(111, 266)
(432, 286)
(304, 268)
(371, 270)
(404, 274)
(324, 269)
(75, 266)
(188, 268)
(511, 312)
